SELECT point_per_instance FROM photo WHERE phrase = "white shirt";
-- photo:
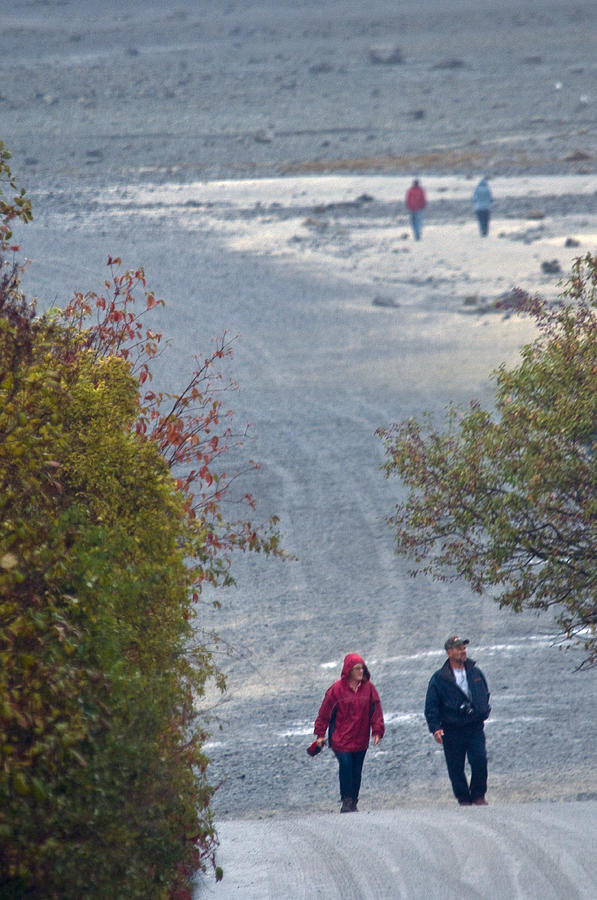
(462, 681)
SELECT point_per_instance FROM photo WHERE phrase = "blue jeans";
(416, 223)
(350, 769)
(460, 743)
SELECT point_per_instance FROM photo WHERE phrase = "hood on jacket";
(351, 660)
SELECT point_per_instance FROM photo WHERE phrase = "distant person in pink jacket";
(350, 713)
(415, 203)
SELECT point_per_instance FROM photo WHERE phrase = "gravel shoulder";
(531, 852)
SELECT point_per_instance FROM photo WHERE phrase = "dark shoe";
(347, 805)
(465, 803)
(354, 805)
(480, 801)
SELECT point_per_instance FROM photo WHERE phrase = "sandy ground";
(253, 157)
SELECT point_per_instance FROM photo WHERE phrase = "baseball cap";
(455, 641)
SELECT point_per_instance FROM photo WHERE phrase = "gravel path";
(120, 117)
(530, 852)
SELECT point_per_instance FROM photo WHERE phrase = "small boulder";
(382, 300)
(321, 68)
(386, 55)
(450, 64)
(262, 137)
(551, 267)
(578, 156)
(515, 299)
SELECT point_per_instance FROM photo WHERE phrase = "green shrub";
(107, 533)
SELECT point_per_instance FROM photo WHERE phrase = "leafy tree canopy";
(507, 499)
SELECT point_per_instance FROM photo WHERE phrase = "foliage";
(508, 500)
(111, 521)
(17, 207)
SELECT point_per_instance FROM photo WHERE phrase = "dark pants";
(351, 766)
(460, 743)
(483, 217)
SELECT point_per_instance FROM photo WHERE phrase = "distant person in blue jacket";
(483, 201)
(456, 707)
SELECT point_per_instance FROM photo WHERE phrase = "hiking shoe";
(347, 805)
(480, 801)
(465, 803)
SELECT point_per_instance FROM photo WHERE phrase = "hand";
(376, 739)
(320, 741)
(438, 735)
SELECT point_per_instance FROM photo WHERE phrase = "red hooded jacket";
(415, 198)
(357, 713)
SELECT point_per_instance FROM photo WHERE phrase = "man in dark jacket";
(456, 707)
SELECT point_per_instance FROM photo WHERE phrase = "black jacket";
(447, 706)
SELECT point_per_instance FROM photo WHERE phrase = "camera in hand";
(467, 708)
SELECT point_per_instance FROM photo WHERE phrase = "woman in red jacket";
(416, 201)
(350, 712)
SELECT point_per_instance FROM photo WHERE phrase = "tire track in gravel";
(530, 852)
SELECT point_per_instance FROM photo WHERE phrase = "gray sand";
(121, 119)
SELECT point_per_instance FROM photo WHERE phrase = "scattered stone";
(532, 60)
(578, 156)
(386, 55)
(551, 267)
(95, 154)
(31, 160)
(572, 242)
(450, 64)
(514, 299)
(471, 300)
(343, 204)
(262, 137)
(320, 68)
(535, 214)
(528, 236)
(132, 51)
(417, 114)
(387, 302)
(317, 224)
